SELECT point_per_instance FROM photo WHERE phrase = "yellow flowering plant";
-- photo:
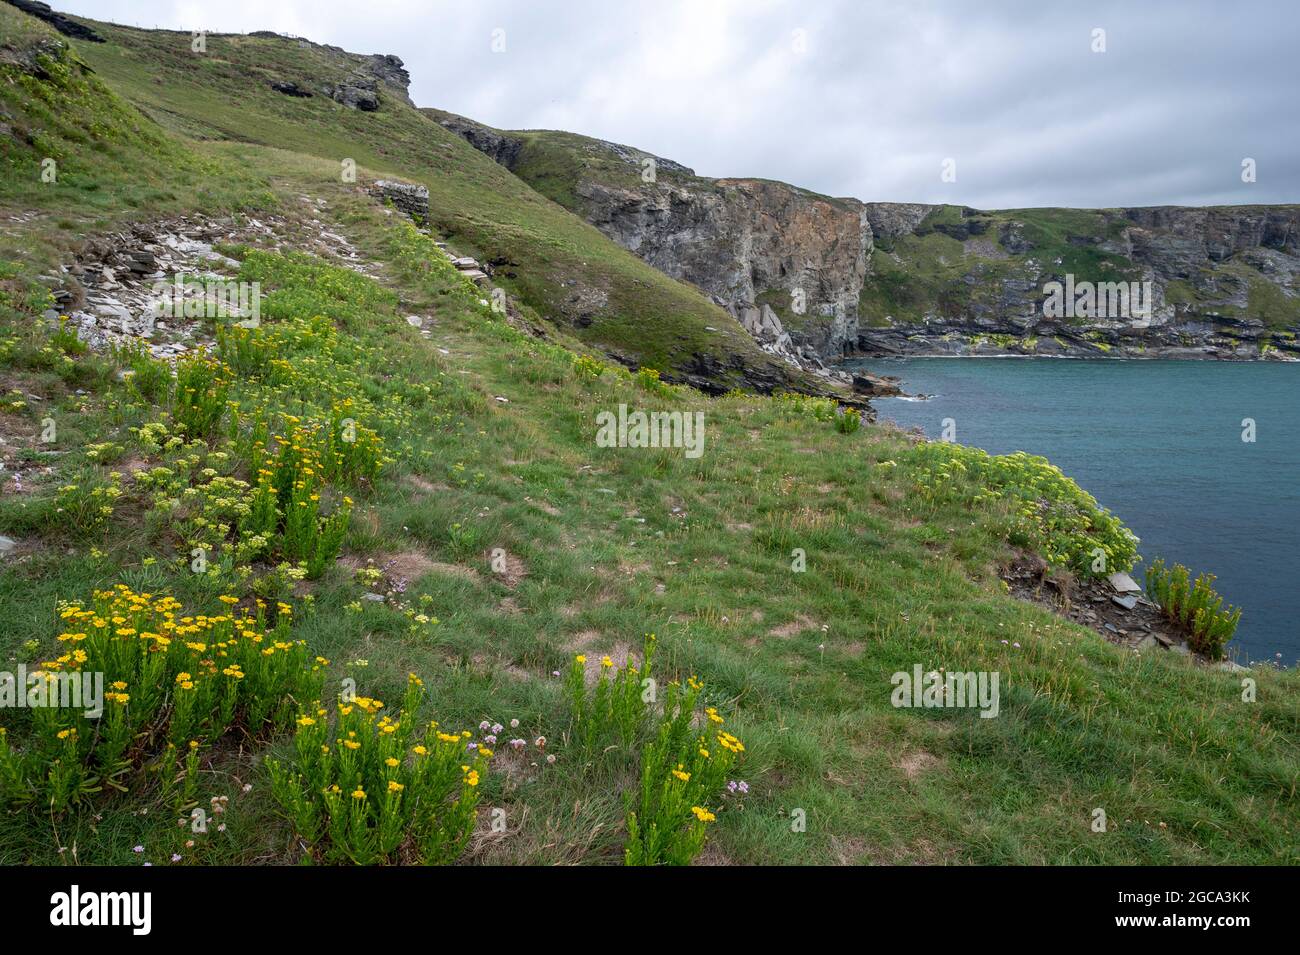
(1047, 512)
(588, 368)
(201, 390)
(290, 495)
(685, 756)
(613, 711)
(682, 770)
(167, 676)
(364, 787)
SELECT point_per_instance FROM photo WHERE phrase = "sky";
(976, 102)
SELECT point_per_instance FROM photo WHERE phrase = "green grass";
(559, 267)
(608, 544)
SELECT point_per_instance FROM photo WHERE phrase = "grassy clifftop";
(566, 271)
(477, 535)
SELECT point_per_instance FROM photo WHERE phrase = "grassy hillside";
(492, 548)
(566, 271)
(69, 144)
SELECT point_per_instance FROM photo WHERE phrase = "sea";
(1201, 459)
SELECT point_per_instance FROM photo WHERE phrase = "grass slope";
(553, 262)
(604, 545)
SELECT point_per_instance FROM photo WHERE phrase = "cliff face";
(759, 249)
(788, 264)
(815, 278)
(1141, 282)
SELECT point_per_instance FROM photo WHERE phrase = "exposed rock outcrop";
(64, 24)
(361, 85)
(1212, 283)
(787, 264)
(391, 71)
(815, 278)
(358, 93)
(290, 89)
(501, 147)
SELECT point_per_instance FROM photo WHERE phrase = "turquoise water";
(1160, 444)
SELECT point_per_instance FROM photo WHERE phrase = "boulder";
(357, 93)
(290, 89)
(877, 386)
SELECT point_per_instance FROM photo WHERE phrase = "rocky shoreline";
(1092, 344)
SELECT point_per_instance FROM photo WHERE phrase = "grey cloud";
(884, 92)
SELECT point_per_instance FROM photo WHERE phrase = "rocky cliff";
(816, 278)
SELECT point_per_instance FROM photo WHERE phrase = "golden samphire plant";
(172, 681)
(365, 787)
(684, 754)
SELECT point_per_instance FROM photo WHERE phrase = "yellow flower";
(730, 743)
(306, 721)
(358, 793)
(392, 762)
(419, 751)
(606, 662)
(580, 658)
(394, 786)
(703, 814)
(684, 777)
(472, 778)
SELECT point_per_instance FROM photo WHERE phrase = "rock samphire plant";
(1194, 607)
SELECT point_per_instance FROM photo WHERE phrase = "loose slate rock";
(1123, 583)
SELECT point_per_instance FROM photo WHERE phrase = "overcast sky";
(863, 98)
